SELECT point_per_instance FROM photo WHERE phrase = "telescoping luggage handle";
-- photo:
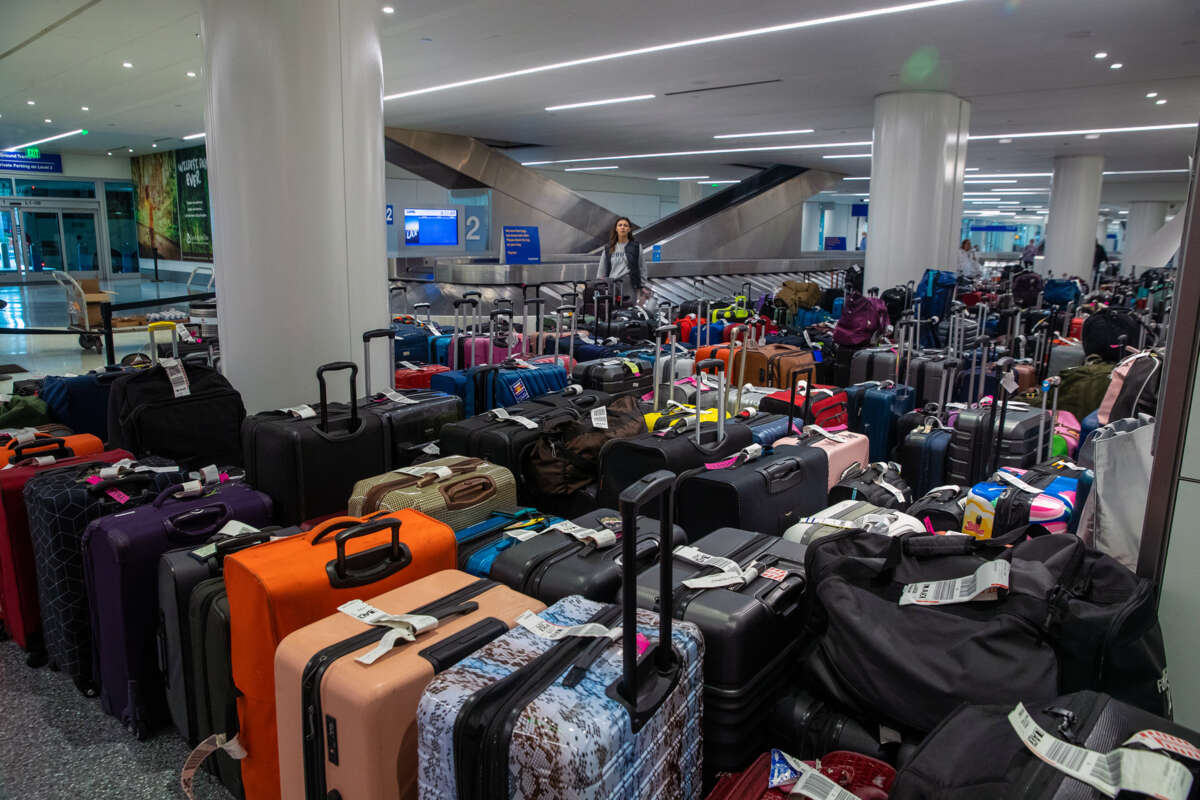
(722, 400)
(533, 334)
(644, 686)
(573, 312)
(808, 398)
(669, 332)
(366, 566)
(338, 366)
(378, 333)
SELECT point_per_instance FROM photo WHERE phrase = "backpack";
(896, 299)
(1060, 292)
(862, 318)
(879, 483)
(1026, 286)
(566, 456)
(1058, 617)
(1082, 389)
(1103, 330)
(935, 291)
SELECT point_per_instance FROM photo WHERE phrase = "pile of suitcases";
(731, 549)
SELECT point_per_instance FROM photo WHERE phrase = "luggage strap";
(872, 522)
(218, 741)
(502, 415)
(600, 538)
(731, 572)
(1002, 476)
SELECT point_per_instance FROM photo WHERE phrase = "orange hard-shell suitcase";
(29, 444)
(279, 587)
(365, 745)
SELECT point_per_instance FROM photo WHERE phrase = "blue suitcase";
(922, 458)
(811, 316)
(702, 335)
(766, 429)
(837, 307)
(81, 402)
(479, 544)
(411, 342)
(882, 407)
(535, 714)
(496, 386)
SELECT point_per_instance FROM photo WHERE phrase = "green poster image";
(157, 215)
(195, 229)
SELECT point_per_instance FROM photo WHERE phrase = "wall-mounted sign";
(389, 214)
(858, 209)
(522, 245)
(995, 228)
(656, 253)
(21, 162)
(835, 242)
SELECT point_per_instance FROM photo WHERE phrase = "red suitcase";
(18, 578)
(416, 376)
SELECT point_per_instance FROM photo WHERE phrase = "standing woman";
(622, 258)
(968, 263)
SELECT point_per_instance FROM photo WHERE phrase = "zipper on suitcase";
(494, 721)
(314, 671)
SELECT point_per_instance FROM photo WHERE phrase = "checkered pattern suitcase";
(457, 490)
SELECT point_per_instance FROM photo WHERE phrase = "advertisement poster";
(157, 210)
(195, 229)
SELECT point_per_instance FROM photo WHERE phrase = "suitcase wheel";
(36, 658)
(139, 729)
(86, 687)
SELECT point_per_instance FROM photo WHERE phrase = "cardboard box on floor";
(93, 295)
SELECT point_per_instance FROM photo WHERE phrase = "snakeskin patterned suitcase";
(457, 490)
(551, 710)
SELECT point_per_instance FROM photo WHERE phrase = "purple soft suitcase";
(121, 553)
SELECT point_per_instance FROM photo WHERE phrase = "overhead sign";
(389, 214)
(522, 245)
(858, 209)
(835, 242)
(21, 162)
(995, 228)
(32, 152)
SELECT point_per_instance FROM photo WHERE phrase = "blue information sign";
(522, 245)
(19, 162)
(389, 214)
(656, 253)
(995, 228)
(858, 209)
(835, 242)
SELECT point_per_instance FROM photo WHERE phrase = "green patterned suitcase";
(457, 490)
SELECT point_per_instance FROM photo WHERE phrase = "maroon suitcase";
(18, 577)
(120, 560)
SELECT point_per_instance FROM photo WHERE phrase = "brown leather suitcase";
(365, 743)
(457, 490)
(783, 361)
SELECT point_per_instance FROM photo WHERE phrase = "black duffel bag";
(1071, 619)
(976, 754)
(1103, 330)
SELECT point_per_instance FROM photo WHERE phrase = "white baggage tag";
(190, 489)
(396, 397)
(600, 538)
(600, 418)
(21, 435)
(235, 528)
(302, 411)
(1009, 382)
(548, 630)
(218, 741)
(984, 584)
(806, 781)
(522, 363)
(408, 365)
(210, 474)
(402, 626)
(433, 328)
(184, 334)
(441, 472)
(1157, 740)
(432, 449)
(731, 573)
(1121, 770)
(502, 414)
(177, 376)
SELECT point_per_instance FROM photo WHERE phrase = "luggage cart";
(77, 317)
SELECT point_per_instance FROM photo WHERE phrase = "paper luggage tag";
(301, 411)
(442, 472)
(731, 572)
(502, 414)
(548, 630)
(984, 584)
(600, 538)
(177, 376)
(401, 626)
(1121, 770)
(600, 418)
(396, 397)
(218, 741)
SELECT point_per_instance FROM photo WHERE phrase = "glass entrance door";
(10, 248)
(34, 242)
(43, 241)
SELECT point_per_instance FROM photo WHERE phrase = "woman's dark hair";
(612, 236)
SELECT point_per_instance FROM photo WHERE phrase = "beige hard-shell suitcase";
(457, 490)
(363, 745)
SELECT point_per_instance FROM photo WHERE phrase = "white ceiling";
(1025, 65)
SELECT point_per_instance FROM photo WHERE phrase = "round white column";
(920, 154)
(1074, 207)
(296, 170)
(1144, 220)
(810, 226)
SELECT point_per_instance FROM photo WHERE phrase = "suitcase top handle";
(643, 687)
(145, 479)
(338, 366)
(47, 447)
(367, 566)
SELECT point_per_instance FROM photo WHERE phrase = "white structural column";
(1074, 207)
(810, 226)
(1144, 220)
(296, 170)
(920, 152)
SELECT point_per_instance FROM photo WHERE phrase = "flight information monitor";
(431, 227)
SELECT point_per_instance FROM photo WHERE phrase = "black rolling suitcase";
(581, 556)
(307, 459)
(757, 491)
(744, 591)
(922, 456)
(212, 677)
(413, 416)
(186, 412)
(679, 448)
(970, 456)
(617, 376)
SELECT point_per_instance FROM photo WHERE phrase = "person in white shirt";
(621, 258)
(968, 261)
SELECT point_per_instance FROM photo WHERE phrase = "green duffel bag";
(1083, 387)
(23, 412)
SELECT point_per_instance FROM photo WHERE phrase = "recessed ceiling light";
(110, 152)
(685, 178)
(1014, 175)
(47, 120)
(154, 144)
(1005, 140)
(971, 169)
(191, 74)
(1021, 191)
(1145, 171)
(1101, 55)
(1116, 65)
(849, 155)
(590, 169)
(971, 180)
(658, 48)
(714, 183)
(1162, 101)
(126, 65)
(720, 151)
(131, 149)
(1122, 212)
(607, 102)
(761, 133)
(83, 108)
(1091, 136)
(30, 103)
(79, 131)
(1136, 129)
(866, 178)
(388, 10)
(194, 136)
(1151, 94)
